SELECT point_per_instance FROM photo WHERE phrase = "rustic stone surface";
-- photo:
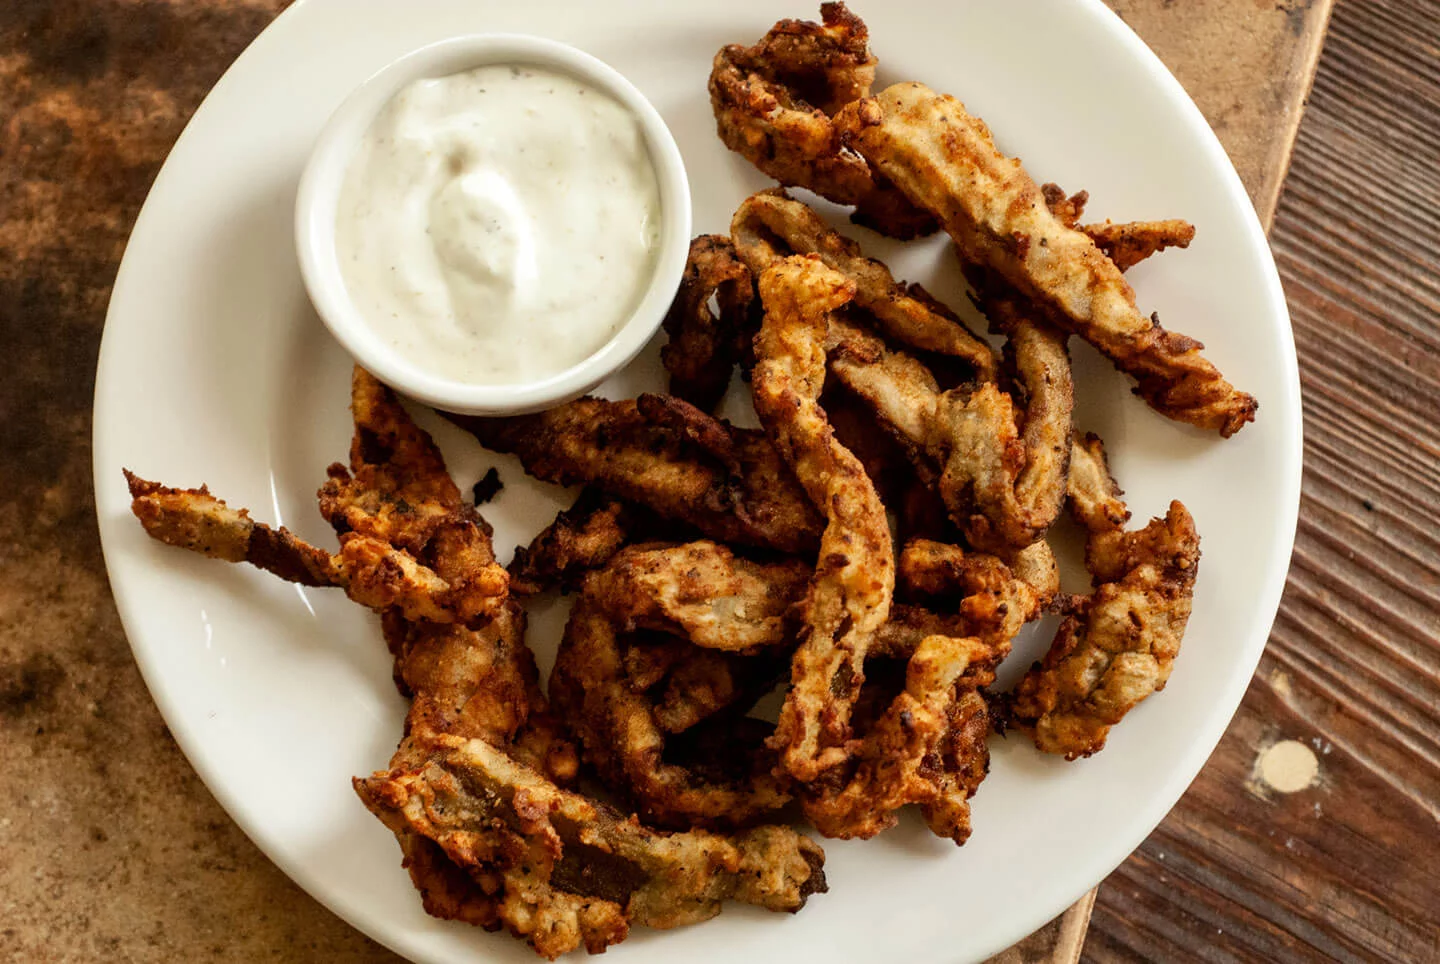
(113, 848)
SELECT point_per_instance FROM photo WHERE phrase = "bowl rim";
(324, 174)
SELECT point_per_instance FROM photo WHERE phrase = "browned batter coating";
(582, 537)
(939, 578)
(704, 592)
(568, 872)
(372, 573)
(1125, 244)
(852, 787)
(532, 857)
(888, 660)
(850, 597)
(705, 345)
(472, 684)
(467, 683)
(773, 104)
(772, 225)
(453, 674)
(1009, 453)
(1004, 486)
(1036, 567)
(701, 593)
(1129, 243)
(927, 746)
(900, 759)
(945, 161)
(194, 519)
(1003, 482)
(856, 428)
(396, 488)
(664, 454)
(1068, 209)
(999, 468)
(826, 64)
(977, 595)
(475, 681)
(690, 685)
(1120, 645)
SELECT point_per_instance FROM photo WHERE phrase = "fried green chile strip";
(772, 225)
(568, 872)
(1118, 648)
(945, 161)
(999, 467)
(668, 456)
(773, 103)
(705, 345)
(720, 614)
(855, 575)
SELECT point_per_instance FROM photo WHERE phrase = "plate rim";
(1100, 864)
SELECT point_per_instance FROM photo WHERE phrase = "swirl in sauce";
(500, 225)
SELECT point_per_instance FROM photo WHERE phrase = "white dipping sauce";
(499, 225)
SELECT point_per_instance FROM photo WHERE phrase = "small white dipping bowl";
(320, 185)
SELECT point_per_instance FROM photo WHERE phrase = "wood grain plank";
(1058, 942)
(1257, 123)
(1345, 869)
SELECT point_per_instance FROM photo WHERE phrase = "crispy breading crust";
(479, 742)
(1068, 209)
(568, 872)
(1129, 243)
(1004, 486)
(945, 161)
(990, 601)
(194, 519)
(850, 787)
(1002, 482)
(1121, 644)
(704, 345)
(773, 102)
(583, 537)
(700, 684)
(468, 682)
(701, 593)
(927, 746)
(669, 645)
(772, 225)
(397, 499)
(896, 386)
(826, 64)
(478, 681)
(1125, 244)
(372, 573)
(666, 455)
(901, 759)
(850, 597)
(870, 440)
(991, 595)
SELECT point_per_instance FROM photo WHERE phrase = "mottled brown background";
(113, 850)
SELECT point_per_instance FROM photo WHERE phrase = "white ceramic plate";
(215, 369)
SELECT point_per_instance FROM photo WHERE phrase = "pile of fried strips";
(870, 553)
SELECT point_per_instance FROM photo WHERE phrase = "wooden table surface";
(113, 850)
